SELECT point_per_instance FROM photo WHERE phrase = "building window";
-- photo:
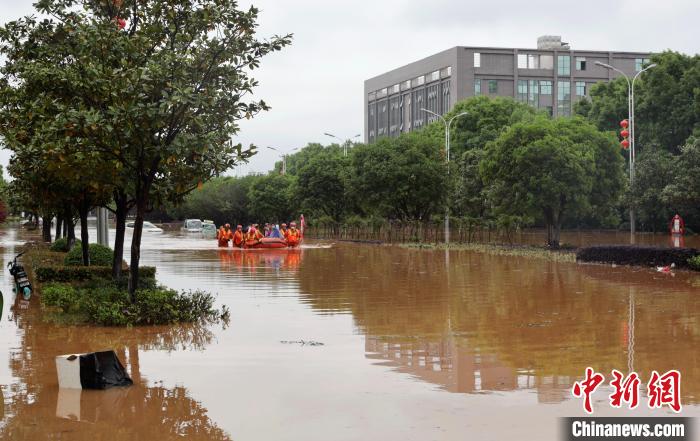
(372, 121)
(546, 62)
(406, 112)
(477, 59)
(564, 98)
(493, 86)
(522, 61)
(445, 97)
(418, 115)
(434, 76)
(580, 88)
(580, 63)
(477, 87)
(533, 97)
(639, 63)
(394, 89)
(419, 81)
(533, 61)
(545, 87)
(522, 91)
(550, 110)
(564, 65)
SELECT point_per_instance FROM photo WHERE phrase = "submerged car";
(147, 227)
(208, 230)
(192, 226)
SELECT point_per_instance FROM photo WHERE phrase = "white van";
(192, 226)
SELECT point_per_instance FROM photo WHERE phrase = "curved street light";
(343, 143)
(284, 157)
(447, 123)
(630, 118)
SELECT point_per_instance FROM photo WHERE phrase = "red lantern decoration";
(121, 23)
(625, 134)
(625, 144)
(624, 123)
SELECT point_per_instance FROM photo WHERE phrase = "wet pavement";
(416, 344)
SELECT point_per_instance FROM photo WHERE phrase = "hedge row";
(46, 274)
(636, 255)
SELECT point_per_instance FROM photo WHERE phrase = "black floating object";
(102, 370)
(94, 370)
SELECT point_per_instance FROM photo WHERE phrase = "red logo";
(662, 390)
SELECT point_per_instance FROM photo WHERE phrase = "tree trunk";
(70, 228)
(136, 248)
(59, 227)
(84, 235)
(120, 199)
(46, 228)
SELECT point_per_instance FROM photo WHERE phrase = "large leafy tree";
(270, 198)
(401, 178)
(322, 182)
(160, 98)
(667, 102)
(550, 169)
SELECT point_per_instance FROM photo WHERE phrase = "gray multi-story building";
(551, 77)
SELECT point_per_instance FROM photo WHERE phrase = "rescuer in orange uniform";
(238, 239)
(224, 235)
(284, 231)
(293, 235)
(258, 234)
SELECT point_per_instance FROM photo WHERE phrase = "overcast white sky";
(316, 85)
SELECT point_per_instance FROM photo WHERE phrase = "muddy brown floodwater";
(417, 345)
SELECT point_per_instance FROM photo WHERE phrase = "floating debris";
(301, 342)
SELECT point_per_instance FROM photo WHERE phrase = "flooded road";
(417, 345)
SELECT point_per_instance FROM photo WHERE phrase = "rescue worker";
(238, 239)
(283, 231)
(223, 235)
(258, 234)
(251, 233)
(293, 235)
(268, 230)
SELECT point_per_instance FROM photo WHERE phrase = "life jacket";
(223, 236)
(293, 236)
(238, 238)
(258, 235)
(283, 232)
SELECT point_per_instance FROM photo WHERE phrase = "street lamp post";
(284, 157)
(630, 117)
(447, 123)
(344, 143)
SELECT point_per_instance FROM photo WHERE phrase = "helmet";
(228, 225)
(284, 225)
(293, 224)
(239, 227)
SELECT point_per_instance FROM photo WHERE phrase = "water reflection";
(507, 323)
(36, 409)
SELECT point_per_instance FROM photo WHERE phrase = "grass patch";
(561, 255)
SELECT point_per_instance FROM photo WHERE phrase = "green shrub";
(694, 262)
(60, 295)
(102, 303)
(61, 245)
(100, 255)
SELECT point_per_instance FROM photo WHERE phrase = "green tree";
(321, 184)
(541, 168)
(486, 119)
(270, 198)
(653, 173)
(683, 192)
(402, 178)
(162, 97)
